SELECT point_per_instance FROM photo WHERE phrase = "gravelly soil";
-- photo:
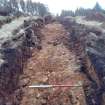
(54, 64)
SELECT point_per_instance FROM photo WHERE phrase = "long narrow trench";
(53, 64)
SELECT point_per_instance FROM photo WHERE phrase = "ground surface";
(54, 64)
(6, 31)
(11, 26)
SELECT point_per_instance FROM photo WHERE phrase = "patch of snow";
(81, 20)
(7, 29)
(20, 9)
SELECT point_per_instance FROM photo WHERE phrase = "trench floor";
(54, 64)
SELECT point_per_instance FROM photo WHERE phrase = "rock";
(24, 82)
(43, 102)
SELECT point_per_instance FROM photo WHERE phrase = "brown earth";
(55, 64)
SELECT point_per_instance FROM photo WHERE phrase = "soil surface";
(54, 64)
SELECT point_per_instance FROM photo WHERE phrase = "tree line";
(20, 6)
(82, 11)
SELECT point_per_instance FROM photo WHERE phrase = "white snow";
(7, 29)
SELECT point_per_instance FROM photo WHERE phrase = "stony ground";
(54, 64)
(59, 60)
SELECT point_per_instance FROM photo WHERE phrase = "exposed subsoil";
(54, 64)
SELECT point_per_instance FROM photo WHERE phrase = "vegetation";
(82, 11)
(97, 7)
(67, 12)
(13, 7)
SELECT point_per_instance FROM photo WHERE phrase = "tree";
(22, 4)
(81, 12)
(67, 13)
(3, 2)
(29, 6)
(34, 8)
(97, 7)
(14, 4)
(42, 9)
(5, 7)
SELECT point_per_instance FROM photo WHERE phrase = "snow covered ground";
(7, 29)
(81, 20)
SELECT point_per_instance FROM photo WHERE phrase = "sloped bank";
(14, 53)
(84, 44)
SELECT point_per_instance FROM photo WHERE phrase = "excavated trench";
(54, 64)
(52, 56)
